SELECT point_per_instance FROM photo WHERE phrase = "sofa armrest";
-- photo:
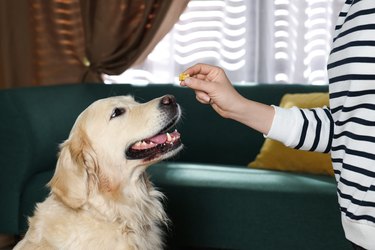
(34, 122)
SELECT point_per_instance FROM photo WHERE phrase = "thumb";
(198, 85)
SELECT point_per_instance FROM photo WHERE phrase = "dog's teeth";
(169, 137)
(138, 144)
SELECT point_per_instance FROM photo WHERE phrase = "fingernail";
(187, 80)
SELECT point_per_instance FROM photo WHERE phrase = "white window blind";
(264, 41)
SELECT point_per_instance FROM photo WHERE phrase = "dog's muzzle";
(165, 141)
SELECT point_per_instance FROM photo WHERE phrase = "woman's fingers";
(202, 97)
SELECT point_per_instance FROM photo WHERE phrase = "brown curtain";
(15, 53)
(70, 41)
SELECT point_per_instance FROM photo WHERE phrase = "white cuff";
(284, 125)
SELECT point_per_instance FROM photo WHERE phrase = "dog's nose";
(168, 100)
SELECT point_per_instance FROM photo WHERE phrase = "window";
(267, 41)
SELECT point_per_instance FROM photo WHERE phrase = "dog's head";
(111, 144)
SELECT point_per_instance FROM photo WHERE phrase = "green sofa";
(214, 200)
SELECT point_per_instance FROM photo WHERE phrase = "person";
(346, 129)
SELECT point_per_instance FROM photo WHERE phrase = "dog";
(100, 195)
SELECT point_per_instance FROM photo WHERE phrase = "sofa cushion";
(274, 155)
(228, 207)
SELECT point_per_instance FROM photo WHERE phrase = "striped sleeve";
(305, 129)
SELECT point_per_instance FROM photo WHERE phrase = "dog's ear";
(75, 167)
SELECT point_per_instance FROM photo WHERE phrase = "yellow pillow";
(274, 155)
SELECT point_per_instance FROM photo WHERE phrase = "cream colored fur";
(99, 199)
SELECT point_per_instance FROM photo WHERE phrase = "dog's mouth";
(156, 146)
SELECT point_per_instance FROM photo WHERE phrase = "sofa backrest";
(35, 120)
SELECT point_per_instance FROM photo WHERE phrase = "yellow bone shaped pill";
(183, 76)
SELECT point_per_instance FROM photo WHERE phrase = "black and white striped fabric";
(347, 128)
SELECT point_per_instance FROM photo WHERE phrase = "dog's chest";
(147, 237)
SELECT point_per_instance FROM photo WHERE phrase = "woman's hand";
(212, 86)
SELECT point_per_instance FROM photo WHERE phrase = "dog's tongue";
(159, 139)
(156, 140)
(165, 137)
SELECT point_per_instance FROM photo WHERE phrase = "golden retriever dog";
(101, 196)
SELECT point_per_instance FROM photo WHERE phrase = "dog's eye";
(117, 112)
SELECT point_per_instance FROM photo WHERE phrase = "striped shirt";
(347, 128)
